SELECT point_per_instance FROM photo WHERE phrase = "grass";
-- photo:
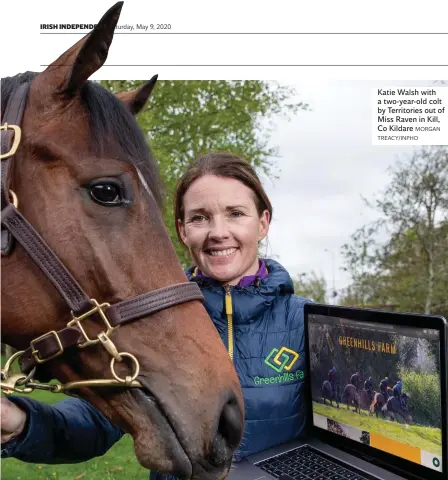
(425, 438)
(118, 463)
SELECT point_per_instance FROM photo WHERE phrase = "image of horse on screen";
(378, 384)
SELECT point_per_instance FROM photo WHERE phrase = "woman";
(222, 213)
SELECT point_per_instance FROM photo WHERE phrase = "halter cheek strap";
(10, 141)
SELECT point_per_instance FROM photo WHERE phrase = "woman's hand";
(13, 420)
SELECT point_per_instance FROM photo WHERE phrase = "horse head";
(87, 184)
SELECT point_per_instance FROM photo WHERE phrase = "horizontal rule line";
(254, 33)
(303, 65)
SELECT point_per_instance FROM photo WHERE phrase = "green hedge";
(424, 401)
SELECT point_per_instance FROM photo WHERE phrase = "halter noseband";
(54, 343)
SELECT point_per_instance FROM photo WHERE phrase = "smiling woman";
(222, 213)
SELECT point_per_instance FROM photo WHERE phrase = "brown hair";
(221, 164)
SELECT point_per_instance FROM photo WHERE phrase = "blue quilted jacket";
(267, 344)
(268, 352)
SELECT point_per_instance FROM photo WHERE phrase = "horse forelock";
(112, 127)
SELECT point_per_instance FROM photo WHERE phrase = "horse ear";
(74, 67)
(136, 99)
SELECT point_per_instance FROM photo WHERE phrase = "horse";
(81, 212)
(379, 400)
(365, 399)
(352, 397)
(377, 404)
(328, 393)
(393, 409)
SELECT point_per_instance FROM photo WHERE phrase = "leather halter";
(54, 343)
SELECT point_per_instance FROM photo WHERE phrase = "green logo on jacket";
(281, 361)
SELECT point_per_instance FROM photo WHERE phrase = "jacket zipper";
(229, 313)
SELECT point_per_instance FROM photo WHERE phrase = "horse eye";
(108, 194)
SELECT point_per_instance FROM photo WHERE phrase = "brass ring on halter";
(11, 385)
(10, 361)
(136, 372)
(28, 378)
(15, 200)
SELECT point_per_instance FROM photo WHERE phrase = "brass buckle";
(15, 144)
(96, 309)
(35, 352)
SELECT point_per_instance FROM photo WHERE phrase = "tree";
(416, 200)
(187, 118)
(410, 268)
(311, 286)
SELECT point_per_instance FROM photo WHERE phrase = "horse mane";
(110, 122)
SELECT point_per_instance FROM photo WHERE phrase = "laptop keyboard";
(307, 463)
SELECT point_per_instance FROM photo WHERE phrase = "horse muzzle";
(191, 454)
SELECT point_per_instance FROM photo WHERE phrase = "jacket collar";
(249, 302)
(276, 281)
(261, 274)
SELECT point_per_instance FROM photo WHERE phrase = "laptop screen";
(378, 384)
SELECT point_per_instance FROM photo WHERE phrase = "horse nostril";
(231, 424)
(228, 435)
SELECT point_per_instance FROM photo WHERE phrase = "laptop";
(354, 433)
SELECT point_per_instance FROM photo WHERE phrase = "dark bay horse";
(351, 397)
(365, 399)
(84, 180)
(394, 410)
(328, 393)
